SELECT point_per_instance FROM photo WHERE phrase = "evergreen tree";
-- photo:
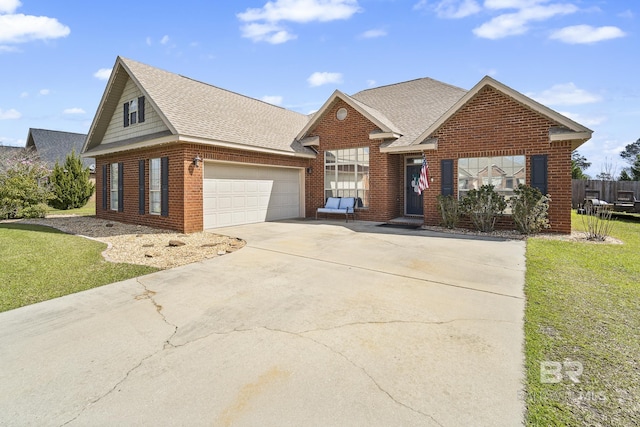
(70, 184)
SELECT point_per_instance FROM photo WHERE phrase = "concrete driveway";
(311, 323)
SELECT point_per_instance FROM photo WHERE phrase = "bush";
(483, 206)
(24, 192)
(450, 210)
(529, 209)
(70, 184)
(597, 222)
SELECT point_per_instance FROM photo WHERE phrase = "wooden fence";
(603, 190)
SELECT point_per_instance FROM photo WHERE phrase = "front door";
(412, 200)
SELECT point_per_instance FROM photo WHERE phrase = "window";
(504, 173)
(154, 187)
(114, 186)
(346, 174)
(133, 111)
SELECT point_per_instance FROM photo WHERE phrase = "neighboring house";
(54, 146)
(176, 153)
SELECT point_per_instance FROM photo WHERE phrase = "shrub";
(483, 206)
(529, 209)
(24, 192)
(450, 210)
(597, 222)
(70, 184)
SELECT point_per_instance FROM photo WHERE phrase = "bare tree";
(608, 171)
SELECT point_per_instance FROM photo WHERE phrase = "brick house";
(175, 153)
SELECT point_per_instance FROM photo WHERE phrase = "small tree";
(70, 184)
(483, 207)
(579, 164)
(24, 192)
(529, 209)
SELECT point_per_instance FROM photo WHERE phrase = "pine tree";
(70, 184)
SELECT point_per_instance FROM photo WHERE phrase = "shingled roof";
(193, 109)
(412, 106)
(53, 145)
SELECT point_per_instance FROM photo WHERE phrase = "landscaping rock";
(222, 252)
(108, 224)
(148, 245)
(175, 243)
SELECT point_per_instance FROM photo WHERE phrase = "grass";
(583, 305)
(40, 263)
(87, 210)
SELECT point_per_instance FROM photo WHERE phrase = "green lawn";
(87, 210)
(40, 263)
(583, 305)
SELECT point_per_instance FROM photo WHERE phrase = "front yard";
(581, 330)
(40, 263)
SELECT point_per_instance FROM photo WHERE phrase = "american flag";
(423, 182)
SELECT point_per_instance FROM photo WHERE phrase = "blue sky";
(579, 57)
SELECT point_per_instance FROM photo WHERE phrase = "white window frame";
(113, 187)
(155, 194)
(358, 185)
(133, 111)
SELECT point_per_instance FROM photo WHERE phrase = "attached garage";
(235, 194)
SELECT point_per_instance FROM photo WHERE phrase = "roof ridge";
(410, 81)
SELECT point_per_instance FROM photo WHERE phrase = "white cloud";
(9, 6)
(269, 33)
(585, 34)
(103, 74)
(371, 34)
(371, 83)
(148, 41)
(585, 120)
(511, 24)
(19, 28)
(450, 9)
(454, 9)
(24, 95)
(74, 110)
(9, 114)
(565, 94)
(44, 92)
(263, 24)
(272, 99)
(323, 78)
(511, 4)
(164, 39)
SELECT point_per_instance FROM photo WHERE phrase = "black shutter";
(104, 187)
(164, 186)
(446, 171)
(141, 109)
(126, 114)
(120, 187)
(141, 187)
(539, 172)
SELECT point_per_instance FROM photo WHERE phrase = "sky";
(579, 57)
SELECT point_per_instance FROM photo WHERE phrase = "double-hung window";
(154, 187)
(346, 174)
(133, 111)
(504, 173)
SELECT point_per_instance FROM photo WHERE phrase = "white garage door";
(241, 194)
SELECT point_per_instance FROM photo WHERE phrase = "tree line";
(630, 154)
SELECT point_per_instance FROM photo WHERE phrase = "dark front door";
(413, 201)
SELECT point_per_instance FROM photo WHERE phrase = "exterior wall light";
(196, 160)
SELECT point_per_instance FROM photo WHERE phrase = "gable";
(354, 129)
(116, 131)
(491, 117)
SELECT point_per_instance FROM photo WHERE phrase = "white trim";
(384, 135)
(187, 139)
(410, 148)
(573, 136)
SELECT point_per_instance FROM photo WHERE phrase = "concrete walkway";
(312, 323)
